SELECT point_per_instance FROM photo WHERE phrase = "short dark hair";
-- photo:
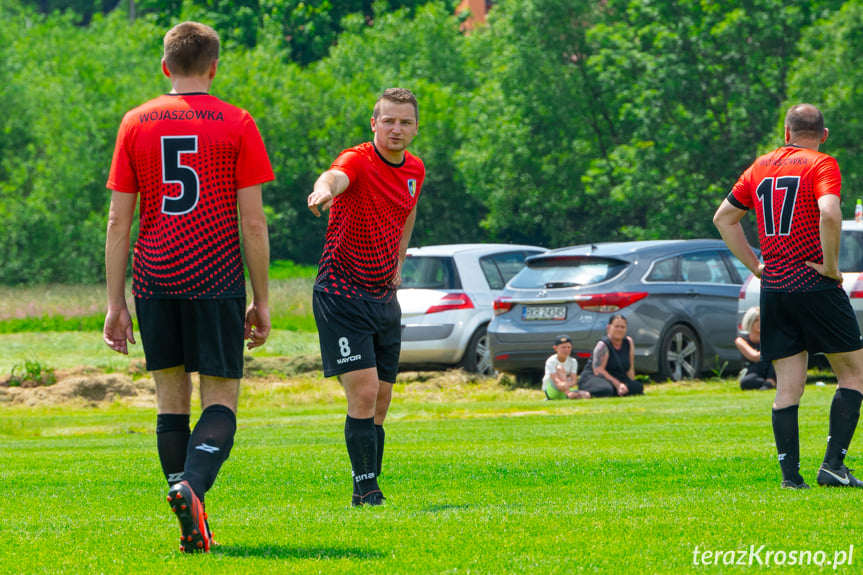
(397, 96)
(562, 339)
(805, 120)
(191, 48)
(616, 316)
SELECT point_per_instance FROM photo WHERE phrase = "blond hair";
(749, 318)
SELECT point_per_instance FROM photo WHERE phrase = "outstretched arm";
(328, 185)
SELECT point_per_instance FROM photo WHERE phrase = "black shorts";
(203, 335)
(358, 334)
(817, 322)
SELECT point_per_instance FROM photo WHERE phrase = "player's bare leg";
(173, 390)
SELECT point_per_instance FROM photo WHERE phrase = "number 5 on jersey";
(174, 172)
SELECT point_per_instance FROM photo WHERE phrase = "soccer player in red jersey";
(194, 161)
(373, 190)
(794, 191)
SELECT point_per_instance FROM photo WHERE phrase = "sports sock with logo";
(844, 413)
(172, 440)
(379, 429)
(787, 435)
(362, 442)
(209, 447)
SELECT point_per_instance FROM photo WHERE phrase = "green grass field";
(70, 308)
(479, 479)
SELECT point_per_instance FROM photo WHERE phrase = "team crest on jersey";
(412, 187)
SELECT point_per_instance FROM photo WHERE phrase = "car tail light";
(502, 305)
(583, 354)
(857, 288)
(609, 302)
(742, 294)
(451, 301)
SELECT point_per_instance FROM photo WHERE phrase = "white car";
(850, 263)
(447, 299)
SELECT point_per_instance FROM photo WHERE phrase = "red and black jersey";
(187, 155)
(783, 187)
(366, 223)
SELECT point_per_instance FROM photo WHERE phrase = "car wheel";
(477, 356)
(679, 355)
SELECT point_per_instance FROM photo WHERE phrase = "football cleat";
(195, 536)
(370, 498)
(841, 477)
(788, 484)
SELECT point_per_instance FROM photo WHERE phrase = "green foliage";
(824, 75)
(92, 323)
(31, 373)
(62, 104)
(286, 269)
(558, 122)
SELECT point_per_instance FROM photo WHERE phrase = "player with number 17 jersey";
(188, 243)
(783, 187)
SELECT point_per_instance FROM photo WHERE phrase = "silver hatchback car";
(679, 298)
(447, 299)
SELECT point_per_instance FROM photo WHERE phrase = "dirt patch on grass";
(93, 386)
(277, 380)
(84, 386)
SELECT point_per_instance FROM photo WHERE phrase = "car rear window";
(500, 268)
(557, 272)
(429, 272)
(851, 251)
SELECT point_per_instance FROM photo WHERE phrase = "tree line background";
(559, 122)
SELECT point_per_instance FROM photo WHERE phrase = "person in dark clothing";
(758, 373)
(795, 194)
(610, 370)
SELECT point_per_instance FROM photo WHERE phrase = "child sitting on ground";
(560, 380)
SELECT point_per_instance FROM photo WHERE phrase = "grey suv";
(679, 298)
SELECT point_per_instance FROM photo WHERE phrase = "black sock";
(209, 447)
(362, 442)
(844, 413)
(787, 435)
(172, 440)
(381, 435)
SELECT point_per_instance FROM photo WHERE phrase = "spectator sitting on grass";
(560, 381)
(610, 371)
(758, 373)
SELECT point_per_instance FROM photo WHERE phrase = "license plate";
(544, 312)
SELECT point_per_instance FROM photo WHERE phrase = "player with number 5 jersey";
(186, 155)
(194, 162)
